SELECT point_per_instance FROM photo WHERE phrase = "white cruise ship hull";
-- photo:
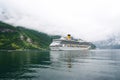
(68, 48)
(69, 43)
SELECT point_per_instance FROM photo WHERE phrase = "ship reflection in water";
(60, 65)
(67, 58)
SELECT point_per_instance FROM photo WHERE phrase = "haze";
(90, 20)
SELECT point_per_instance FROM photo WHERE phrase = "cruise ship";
(69, 43)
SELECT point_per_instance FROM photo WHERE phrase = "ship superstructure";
(69, 43)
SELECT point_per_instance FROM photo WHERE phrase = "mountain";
(20, 38)
(14, 38)
(113, 42)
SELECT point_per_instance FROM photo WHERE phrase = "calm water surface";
(60, 65)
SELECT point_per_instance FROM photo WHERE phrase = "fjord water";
(60, 65)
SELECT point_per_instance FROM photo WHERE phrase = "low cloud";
(87, 19)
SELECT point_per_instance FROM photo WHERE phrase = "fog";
(90, 20)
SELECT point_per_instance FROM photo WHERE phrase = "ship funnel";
(69, 37)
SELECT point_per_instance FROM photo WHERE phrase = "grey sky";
(87, 19)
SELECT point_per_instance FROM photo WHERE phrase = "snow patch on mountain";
(112, 42)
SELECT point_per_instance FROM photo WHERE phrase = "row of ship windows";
(71, 45)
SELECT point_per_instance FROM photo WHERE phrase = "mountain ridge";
(20, 38)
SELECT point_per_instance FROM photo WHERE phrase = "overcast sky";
(87, 19)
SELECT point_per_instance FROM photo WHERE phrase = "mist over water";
(60, 65)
